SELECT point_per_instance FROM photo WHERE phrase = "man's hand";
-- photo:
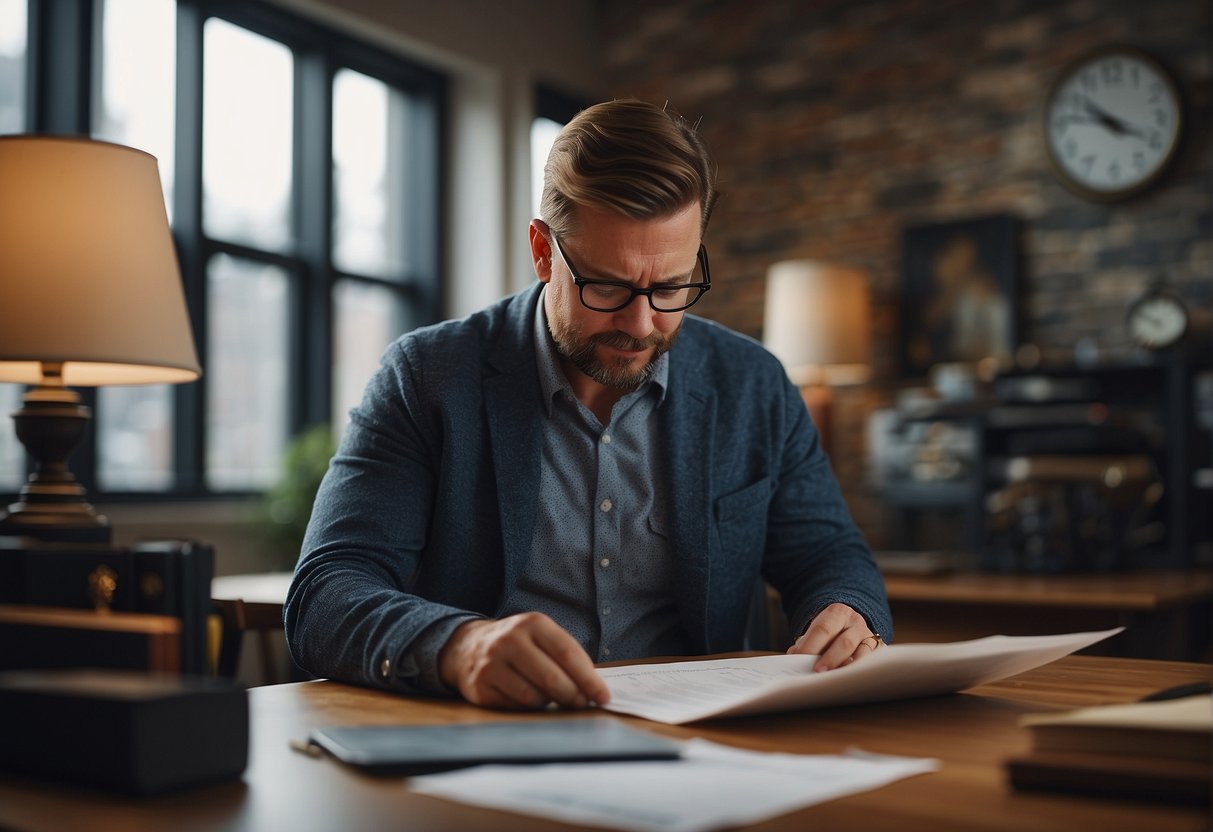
(840, 635)
(524, 661)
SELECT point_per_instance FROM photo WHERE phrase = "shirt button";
(606, 505)
(606, 651)
(385, 668)
(604, 563)
(606, 610)
(606, 439)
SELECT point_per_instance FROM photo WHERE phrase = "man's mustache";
(623, 341)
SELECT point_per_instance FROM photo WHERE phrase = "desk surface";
(1123, 591)
(971, 733)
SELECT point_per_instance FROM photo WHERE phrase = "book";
(1160, 750)
(1177, 728)
(688, 691)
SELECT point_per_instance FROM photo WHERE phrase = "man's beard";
(617, 373)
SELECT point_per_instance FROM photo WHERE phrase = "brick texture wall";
(837, 124)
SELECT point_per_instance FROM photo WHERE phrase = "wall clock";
(1157, 320)
(1112, 123)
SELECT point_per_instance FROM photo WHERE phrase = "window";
(13, 26)
(301, 175)
(553, 110)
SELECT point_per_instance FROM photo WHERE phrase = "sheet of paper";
(679, 692)
(711, 787)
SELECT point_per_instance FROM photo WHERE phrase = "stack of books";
(1159, 750)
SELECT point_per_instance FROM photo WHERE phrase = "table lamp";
(817, 323)
(90, 295)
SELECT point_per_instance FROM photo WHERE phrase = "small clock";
(1112, 123)
(1157, 320)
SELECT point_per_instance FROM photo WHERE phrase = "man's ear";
(541, 249)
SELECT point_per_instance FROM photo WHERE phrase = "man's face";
(617, 349)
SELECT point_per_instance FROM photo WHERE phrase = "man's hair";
(627, 157)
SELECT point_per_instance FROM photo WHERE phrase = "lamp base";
(52, 505)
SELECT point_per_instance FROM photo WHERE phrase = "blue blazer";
(428, 508)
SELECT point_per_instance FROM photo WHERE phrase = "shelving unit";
(1073, 469)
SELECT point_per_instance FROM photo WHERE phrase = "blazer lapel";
(689, 410)
(511, 396)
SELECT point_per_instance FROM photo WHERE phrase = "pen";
(1178, 692)
(306, 747)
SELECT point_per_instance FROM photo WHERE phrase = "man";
(581, 471)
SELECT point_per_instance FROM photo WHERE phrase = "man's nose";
(636, 319)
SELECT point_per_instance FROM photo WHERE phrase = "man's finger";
(840, 651)
(822, 631)
(567, 654)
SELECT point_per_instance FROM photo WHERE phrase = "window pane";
(136, 70)
(12, 65)
(246, 372)
(12, 120)
(369, 181)
(12, 455)
(543, 133)
(135, 438)
(246, 141)
(366, 318)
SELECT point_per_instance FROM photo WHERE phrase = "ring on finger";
(874, 638)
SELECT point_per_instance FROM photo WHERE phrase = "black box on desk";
(134, 733)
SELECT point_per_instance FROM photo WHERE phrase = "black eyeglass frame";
(701, 256)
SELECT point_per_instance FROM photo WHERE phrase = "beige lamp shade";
(88, 273)
(817, 322)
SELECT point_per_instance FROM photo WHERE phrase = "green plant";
(287, 506)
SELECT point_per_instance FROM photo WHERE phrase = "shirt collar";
(551, 376)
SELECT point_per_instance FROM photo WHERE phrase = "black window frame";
(59, 90)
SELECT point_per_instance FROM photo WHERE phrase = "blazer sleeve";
(349, 614)
(815, 554)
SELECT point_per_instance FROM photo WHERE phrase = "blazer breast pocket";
(741, 519)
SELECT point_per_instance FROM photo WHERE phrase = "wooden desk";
(1166, 613)
(971, 733)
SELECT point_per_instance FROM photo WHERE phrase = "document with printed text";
(687, 691)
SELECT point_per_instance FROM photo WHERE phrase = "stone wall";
(837, 124)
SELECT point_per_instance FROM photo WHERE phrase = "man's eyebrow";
(661, 281)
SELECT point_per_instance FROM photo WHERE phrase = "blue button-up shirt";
(600, 561)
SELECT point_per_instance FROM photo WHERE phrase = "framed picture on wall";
(958, 293)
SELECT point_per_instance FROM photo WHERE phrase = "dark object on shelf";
(169, 578)
(133, 733)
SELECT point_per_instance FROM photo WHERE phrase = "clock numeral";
(1113, 72)
(1088, 163)
(1139, 160)
(1135, 75)
(1155, 140)
(1114, 171)
(1160, 118)
(1071, 148)
(1090, 81)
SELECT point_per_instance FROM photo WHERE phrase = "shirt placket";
(606, 544)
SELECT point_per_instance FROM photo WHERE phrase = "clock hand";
(1116, 125)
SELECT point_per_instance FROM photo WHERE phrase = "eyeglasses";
(613, 295)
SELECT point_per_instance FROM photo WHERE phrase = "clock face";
(1112, 123)
(1157, 320)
